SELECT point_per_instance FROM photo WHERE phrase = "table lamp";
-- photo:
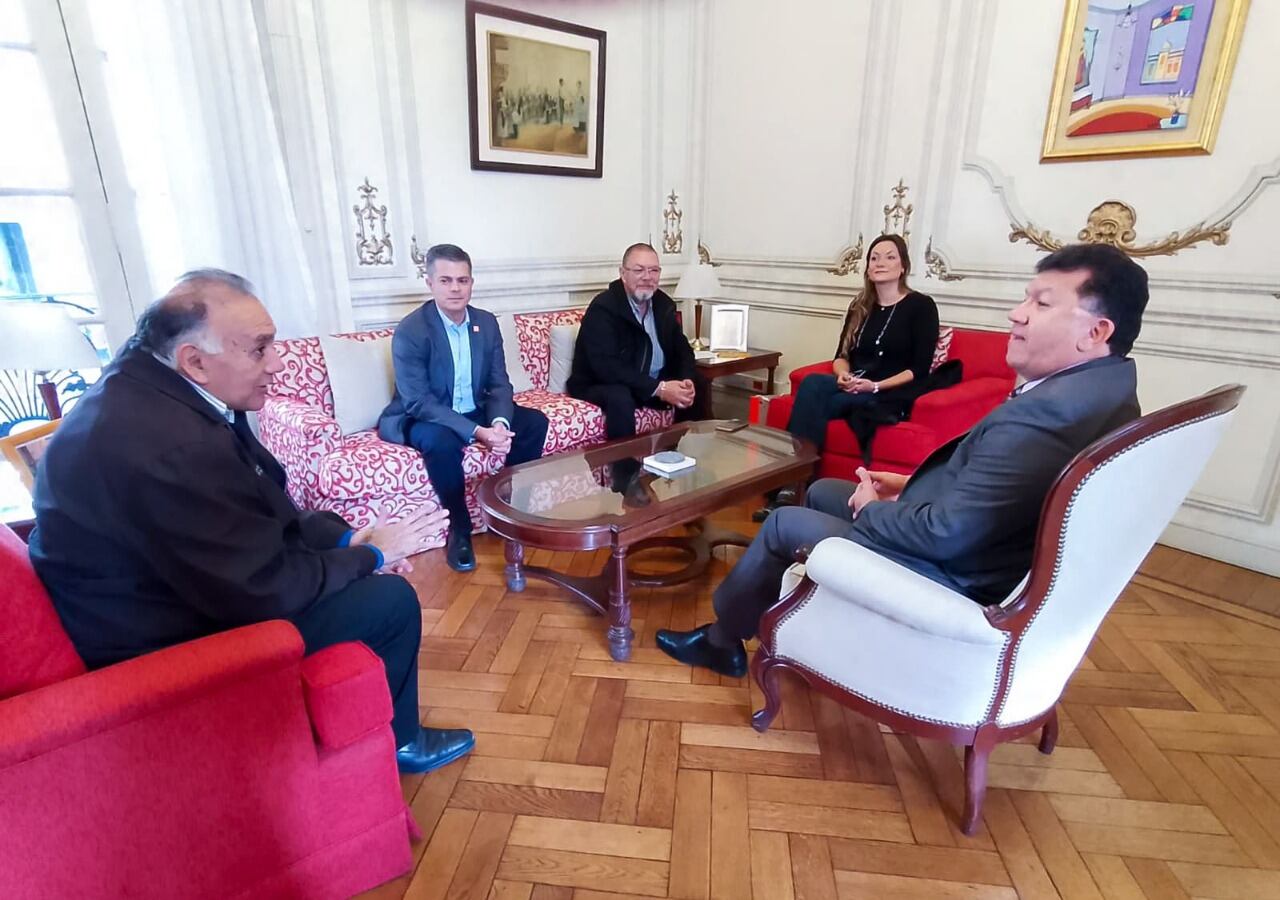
(698, 282)
(43, 338)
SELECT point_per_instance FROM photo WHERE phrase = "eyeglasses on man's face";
(652, 271)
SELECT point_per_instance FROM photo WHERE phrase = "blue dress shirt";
(658, 359)
(459, 336)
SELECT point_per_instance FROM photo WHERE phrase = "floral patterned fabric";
(942, 349)
(361, 476)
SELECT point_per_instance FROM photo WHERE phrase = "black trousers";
(752, 586)
(619, 406)
(383, 612)
(818, 401)
(441, 450)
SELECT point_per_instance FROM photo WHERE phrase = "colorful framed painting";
(1141, 79)
(536, 88)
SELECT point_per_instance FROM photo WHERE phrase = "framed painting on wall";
(1141, 79)
(536, 90)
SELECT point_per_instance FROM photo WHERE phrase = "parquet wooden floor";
(594, 780)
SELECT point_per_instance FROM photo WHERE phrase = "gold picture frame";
(24, 449)
(1141, 79)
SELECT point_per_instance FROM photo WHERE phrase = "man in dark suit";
(160, 518)
(967, 518)
(632, 352)
(452, 389)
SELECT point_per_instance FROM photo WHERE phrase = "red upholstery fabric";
(345, 687)
(936, 417)
(34, 650)
(194, 772)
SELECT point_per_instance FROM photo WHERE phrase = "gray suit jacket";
(424, 374)
(968, 516)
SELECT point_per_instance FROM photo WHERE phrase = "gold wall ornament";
(1112, 222)
(373, 242)
(936, 266)
(897, 215)
(672, 236)
(704, 256)
(419, 258)
(849, 259)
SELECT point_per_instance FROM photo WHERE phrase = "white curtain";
(192, 112)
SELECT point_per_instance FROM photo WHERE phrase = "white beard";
(642, 296)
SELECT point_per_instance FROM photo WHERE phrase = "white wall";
(386, 98)
(783, 129)
(815, 112)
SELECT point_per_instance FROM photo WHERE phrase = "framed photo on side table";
(536, 91)
(729, 327)
(23, 450)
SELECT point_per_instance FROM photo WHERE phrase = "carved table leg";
(515, 566)
(620, 633)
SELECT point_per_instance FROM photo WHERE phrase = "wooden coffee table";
(602, 497)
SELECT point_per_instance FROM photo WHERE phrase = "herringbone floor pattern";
(593, 779)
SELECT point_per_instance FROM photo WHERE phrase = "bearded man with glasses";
(632, 352)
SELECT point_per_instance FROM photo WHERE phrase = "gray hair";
(182, 315)
(451, 252)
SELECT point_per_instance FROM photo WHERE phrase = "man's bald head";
(212, 330)
(181, 316)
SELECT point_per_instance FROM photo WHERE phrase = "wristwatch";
(875, 387)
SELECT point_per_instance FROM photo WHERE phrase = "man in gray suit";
(452, 390)
(967, 518)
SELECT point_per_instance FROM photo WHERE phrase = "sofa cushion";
(33, 645)
(534, 333)
(563, 340)
(520, 379)
(362, 378)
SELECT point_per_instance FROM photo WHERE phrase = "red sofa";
(229, 766)
(936, 417)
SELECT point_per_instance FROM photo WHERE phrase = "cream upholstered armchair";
(927, 661)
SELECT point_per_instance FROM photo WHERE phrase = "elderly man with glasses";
(632, 352)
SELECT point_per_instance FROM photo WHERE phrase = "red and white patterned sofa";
(360, 475)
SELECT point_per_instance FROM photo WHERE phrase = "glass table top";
(613, 480)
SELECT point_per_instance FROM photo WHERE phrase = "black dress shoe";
(458, 552)
(694, 648)
(433, 748)
(784, 497)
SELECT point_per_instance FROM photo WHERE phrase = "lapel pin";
(475, 328)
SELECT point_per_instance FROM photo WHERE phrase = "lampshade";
(41, 337)
(698, 282)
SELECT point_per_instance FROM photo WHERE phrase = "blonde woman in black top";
(882, 359)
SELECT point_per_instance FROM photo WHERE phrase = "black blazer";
(156, 524)
(424, 374)
(968, 516)
(614, 348)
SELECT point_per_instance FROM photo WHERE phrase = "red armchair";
(936, 417)
(229, 766)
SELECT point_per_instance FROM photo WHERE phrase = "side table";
(754, 360)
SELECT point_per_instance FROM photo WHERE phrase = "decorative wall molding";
(373, 242)
(704, 256)
(897, 215)
(936, 265)
(850, 258)
(672, 236)
(419, 258)
(1112, 222)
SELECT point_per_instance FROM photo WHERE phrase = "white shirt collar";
(1026, 386)
(221, 408)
